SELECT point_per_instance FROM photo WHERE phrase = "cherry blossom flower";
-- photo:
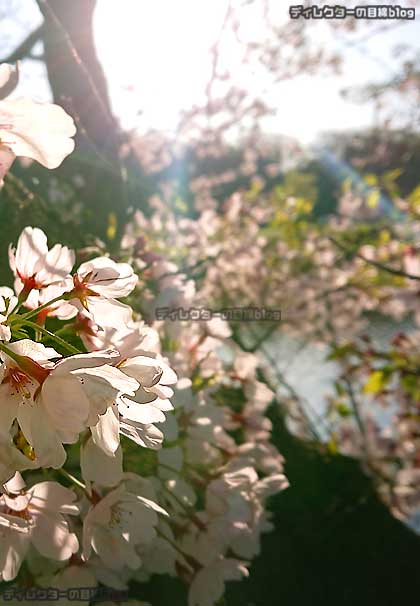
(119, 522)
(53, 403)
(97, 284)
(35, 516)
(152, 398)
(135, 416)
(208, 585)
(41, 131)
(103, 469)
(36, 267)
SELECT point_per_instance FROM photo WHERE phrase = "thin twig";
(390, 270)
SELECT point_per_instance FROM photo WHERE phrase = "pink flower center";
(18, 381)
(81, 290)
(29, 283)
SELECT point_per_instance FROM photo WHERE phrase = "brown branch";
(390, 270)
(24, 49)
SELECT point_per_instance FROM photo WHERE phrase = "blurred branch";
(215, 51)
(357, 414)
(25, 47)
(390, 270)
(40, 57)
(281, 380)
(298, 399)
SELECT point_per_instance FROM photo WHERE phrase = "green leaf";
(343, 409)
(376, 382)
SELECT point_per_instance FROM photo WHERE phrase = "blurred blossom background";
(275, 161)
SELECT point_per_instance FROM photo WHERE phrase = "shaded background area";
(333, 542)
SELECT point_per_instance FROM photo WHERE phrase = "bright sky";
(160, 59)
(156, 57)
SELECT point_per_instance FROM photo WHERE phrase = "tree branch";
(24, 49)
(390, 270)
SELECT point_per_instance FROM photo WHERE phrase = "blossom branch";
(390, 270)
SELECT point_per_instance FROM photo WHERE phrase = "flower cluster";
(329, 279)
(50, 401)
(84, 382)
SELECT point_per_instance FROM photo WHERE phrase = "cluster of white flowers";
(48, 401)
(194, 507)
(218, 465)
(84, 382)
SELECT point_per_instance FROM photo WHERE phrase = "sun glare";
(156, 56)
(157, 60)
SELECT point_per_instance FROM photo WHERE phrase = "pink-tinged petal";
(52, 538)
(107, 278)
(105, 433)
(11, 459)
(16, 484)
(57, 265)
(17, 502)
(169, 376)
(146, 371)
(163, 392)
(142, 413)
(99, 391)
(6, 292)
(6, 72)
(113, 377)
(148, 436)
(5, 332)
(113, 551)
(87, 534)
(7, 157)
(109, 312)
(48, 448)
(54, 497)
(35, 351)
(164, 405)
(12, 264)
(99, 467)
(41, 131)
(8, 410)
(13, 548)
(65, 402)
(144, 396)
(88, 360)
(150, 371)
(30, 251)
